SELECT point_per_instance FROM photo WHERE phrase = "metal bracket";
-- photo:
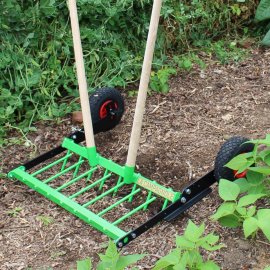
(191, 195)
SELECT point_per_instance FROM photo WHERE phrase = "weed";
(45, 220)
(187, 254)
(15, 212)
(110, 260)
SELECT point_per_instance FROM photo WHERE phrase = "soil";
(182, 132)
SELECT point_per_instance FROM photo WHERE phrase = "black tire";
(107, 108)
(231, 148)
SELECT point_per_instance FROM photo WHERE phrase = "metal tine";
(63, 172)
(65, 160)
(118, 202)
(120, 178)
(103, 194)
(74, 180)
(133, 188)
(103, 182)
(51, 164)
(89, 186)
(147, 199)
(77, 167)
(133, 211)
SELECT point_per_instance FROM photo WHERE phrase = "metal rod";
(145, 77)
(50, 165)
(133, 188)
(102, 183)
(77, 167)
(88, 187)
(133, 211)
(67, 184)
(120, 178)
(103, 195)
(63, 172)
(118, 202)
(65, 160)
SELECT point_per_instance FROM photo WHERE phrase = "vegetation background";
(37, 77)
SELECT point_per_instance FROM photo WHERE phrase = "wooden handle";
(86, 112)
(145, 77)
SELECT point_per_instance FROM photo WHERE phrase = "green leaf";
(250, 225)
(263, 170)
(211, 238)
(84, 264)
(263, 216)
(263, 11)
(128, 260)
(192, 232)
(237, 162)
(266, 39)
(251, 211)
(249, 199)
(225, 209)
(241, 210)
(254, 177)
(242, 184)
(267, 159)
(230, 221)
(228, 191)
(212, 248)
(171, 259)
(209, 265)
(182, 242)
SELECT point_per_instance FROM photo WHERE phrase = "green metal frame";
(125, 176)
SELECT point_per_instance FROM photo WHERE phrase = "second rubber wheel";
(231, 148)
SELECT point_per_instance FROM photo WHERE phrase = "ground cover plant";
(263, 17)
(240, 197)
(37, 75)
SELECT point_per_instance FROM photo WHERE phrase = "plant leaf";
(230, 221)
(85, 264)
(182, 242)
(209, 265)
(251, 211)
(250, 225)
(171, 259)
(225, 209)
(228, 190)
(125, 261)
(263, 11)
(249, 199)
(263, 216)
(237, 162)
(242, 184)
(264, 170)
(192, 232)
(266, 39)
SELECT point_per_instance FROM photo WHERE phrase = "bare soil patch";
(182, 133)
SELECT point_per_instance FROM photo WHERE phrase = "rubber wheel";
(231, 148)
(107, 108)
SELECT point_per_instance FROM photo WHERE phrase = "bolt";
(133, 235)
(188, 191)
(183, 200)
(120, 244)
(74, 137)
